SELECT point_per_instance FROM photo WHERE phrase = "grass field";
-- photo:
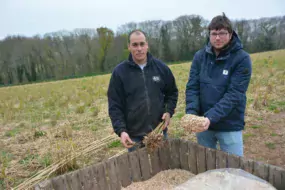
(41, 123)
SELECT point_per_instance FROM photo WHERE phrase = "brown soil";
(265, 139)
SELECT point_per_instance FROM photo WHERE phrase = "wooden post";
(211, 158)
(113, 174)
(192, 158)
(221, 159)
(73, 180)
(164, 156)
(100, 174)
(277, 177)
(44, 185)
(184, 154)
(135, 166)
(124, 172)
(233, 161)
(155, 163)
(246, 165)
(175, 151)
(201, 159)
(59, 183)
(144, 163)
(261, 170)
(87, 178)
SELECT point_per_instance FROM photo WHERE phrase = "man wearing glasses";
(219, 77)
(142, 92)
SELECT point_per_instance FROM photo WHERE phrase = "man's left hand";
(166, 118)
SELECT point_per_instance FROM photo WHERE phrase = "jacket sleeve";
(171, 93)
(116, 104)
(235, 94)
(193, 88)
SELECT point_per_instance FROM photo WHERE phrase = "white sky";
(31, 17)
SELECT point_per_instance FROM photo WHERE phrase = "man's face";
(138, 47)
(220, 38)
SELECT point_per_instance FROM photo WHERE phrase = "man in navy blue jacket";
(142, 92)
(219, 77)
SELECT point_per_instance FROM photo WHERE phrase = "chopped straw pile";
(165, 180)
(192, 122)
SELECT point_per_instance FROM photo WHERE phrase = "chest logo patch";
(156, 78)
(225, 72)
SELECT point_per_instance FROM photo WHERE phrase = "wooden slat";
(135, 166)
(114, 181)
(246, 165)
(82, 180)
(271, 172)
(177, 146)
(175, 151)
(44, 185)
(283, 179)
(201, 159)
(261, 170)
(164, 155)
(221, 159)
(123, 165)
(144, 163)
(233, 161)
(192, 158)
(155, 163)
(211, 158)
(59, 183)
(73, 180)
(87, 178)
(94, 181)
(276, 177)
(99, 172)
(184, 153)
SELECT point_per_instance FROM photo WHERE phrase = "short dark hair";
(137, 31)
(221, 22)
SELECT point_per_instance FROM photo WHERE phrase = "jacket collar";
(149, 59)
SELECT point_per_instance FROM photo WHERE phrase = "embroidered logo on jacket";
(156, 78)
(225, 72)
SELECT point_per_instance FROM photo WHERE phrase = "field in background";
(41, 123)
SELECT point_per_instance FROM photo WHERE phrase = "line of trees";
(64, 54)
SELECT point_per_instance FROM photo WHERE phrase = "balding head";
(136, 32)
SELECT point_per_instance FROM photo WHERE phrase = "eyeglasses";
(220, 34)
(142, 44)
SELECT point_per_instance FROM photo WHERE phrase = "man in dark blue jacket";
(142, 92)
(219, 77)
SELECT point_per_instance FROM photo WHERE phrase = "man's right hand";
(126, 140)
(207, 124)
(203, 128)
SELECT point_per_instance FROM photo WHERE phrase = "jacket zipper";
(146, 93)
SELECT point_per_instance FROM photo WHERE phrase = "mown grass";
(42, 122)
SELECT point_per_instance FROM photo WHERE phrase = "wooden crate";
(140, 165)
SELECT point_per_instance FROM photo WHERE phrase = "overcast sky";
(31, 17)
